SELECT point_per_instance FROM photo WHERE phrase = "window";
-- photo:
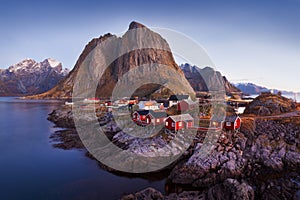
(157, 120)
(167, 123)
(180, 124)
(228, 123)
(173, 124)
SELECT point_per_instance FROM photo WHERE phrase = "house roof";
(228, 118)
(142, 112)
(158, 114)
(231, 118)
(142, 104)
(183, 117)
(178, 97)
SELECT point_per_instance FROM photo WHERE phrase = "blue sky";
(249, 41)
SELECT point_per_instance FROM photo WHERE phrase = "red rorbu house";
(156, 117)
(178, 122)
(232, 123)
(228, 123)
(146, 117)
(186, 104)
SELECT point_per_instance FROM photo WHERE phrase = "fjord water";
(30, 168)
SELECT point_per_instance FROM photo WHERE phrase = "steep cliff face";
(207, 79)
(142, 63)
(30, 77)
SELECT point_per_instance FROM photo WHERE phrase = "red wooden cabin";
(146, 117)
(229, 123)
(186, 104)
(178, 122)
(156, 118)
(232, 122)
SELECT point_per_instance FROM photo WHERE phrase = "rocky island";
(260, 160)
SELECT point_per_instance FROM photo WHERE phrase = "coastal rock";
(62, 117)
(201, 171)
(231, 189)
(262, 148)
(270, 104)
(147, 194)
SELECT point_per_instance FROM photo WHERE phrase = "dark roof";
(231, 118)
(143, 112)
(158, 114)
(178, 97)
(164, 101)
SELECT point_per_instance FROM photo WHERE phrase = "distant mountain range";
(253, 89)
(29, 77)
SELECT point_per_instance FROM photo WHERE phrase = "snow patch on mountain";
(31, 77)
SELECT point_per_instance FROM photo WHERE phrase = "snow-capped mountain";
(250, 88)
(30, 77)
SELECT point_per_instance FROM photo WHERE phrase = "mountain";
(145, 65)
(29, 77)
(203, 80)
(253, 89)
(250, 88)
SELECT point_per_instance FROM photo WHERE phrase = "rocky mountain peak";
(51, 62)
(134, 25)
(24, 64)
(205, 79)
(128, 56)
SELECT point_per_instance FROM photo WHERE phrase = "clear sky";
(249, 41)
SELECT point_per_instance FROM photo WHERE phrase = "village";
(177, 113)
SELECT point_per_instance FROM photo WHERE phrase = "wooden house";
(140, 116)
(187, 104)
(178, 122)
(228, 123)
(174, 99)
(146, 117)
(232, 123)
(156, 117)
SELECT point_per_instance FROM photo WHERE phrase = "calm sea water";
(30, 168)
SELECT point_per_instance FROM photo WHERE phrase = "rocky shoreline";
(261, 161)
